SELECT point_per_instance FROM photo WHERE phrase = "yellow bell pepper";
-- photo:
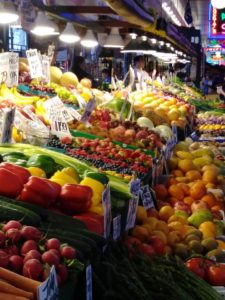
(98, 209)
(38, 172)
(59, 181)
(63, 177)
(71, 172)
(17, 135)
(97, 188)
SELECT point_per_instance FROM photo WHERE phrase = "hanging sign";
(34, 63)
(9, 68)
(216, 22)
(48, 290)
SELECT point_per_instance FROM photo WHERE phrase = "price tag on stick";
(146, 197)
(9, 68)
(48, 290)
(89, 292)
(106, 201)
(8, 120)
(34, 63)
(116, 227)
(88, 110)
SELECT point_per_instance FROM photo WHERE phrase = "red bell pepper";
(93, 224)
(40, 191)
(21, 172)
(10, 184)
(75, 198)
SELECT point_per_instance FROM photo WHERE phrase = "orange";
(152, 212)
(151, 221)
(140, 232)
(209, 176)
(173, 162)
(166, 212)
(185, 188)
(193, 175)
(179, 219)
(141, 213)
(186, 165)
(148, 227)
(188, 200)
(173, 238)
(208, 229)
(161, 235)
(197, 190)
(162, 226)
(210, 186)
(172, 181)
(161, 191)
(176, 191)
(210, 199)
(177, 226)
(177, 173)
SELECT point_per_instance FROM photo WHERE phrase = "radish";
(27, 246)
(62, 272)
(13, 234)
(16, 263)
(31, 233)
(68, 252)
(12, 250)
(12, 224)
(56, 252)
(4, 259)
(2, 239)
(32, 254)
(50, 258)
(52, 244)
(33, 269)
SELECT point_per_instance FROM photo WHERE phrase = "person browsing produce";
(139, 65)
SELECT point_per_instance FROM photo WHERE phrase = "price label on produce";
(89, 292)
(48, 290)
(146, 197)
(88, 110)
(116, 227)
(9, 68)
(135, 187)
(46, 68)
(106, 201)
(7, 124)
(175, 133)
(60, 128)
(132, 212)
(75, 114)
(34, 63)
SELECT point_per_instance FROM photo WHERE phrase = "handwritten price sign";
(34, 63)
(9, 68)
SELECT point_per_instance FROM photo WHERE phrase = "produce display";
(64, 203)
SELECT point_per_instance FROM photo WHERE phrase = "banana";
(23, 99)
(6, 93)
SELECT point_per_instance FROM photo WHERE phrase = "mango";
(202, 161)
(198, 217)
(202, 152)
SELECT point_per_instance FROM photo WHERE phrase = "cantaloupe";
(69, 79)
(55, 74)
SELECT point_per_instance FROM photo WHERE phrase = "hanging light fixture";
(219, 4)
(8, 13)
(89, 41)
(138, 46)
(43, 26)
(69, 34)
(114, 39)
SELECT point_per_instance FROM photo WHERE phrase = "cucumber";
(100, 240)
(14, 212)
(72, 235)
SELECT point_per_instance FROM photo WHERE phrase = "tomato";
(198, 266)
(216, 275)
(157, 244)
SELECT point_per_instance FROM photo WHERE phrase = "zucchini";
(15, 212)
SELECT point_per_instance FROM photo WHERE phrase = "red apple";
(157, 244)
(179, 205)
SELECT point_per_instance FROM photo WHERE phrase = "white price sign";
(132, 212)
(116, 227)
(89, 292)
(48, 290)
(106, 201)
(9, 68)
(34, 63)
(88, 110)
(146, 197)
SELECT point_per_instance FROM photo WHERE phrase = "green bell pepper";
(43, 162)
(16, 158)
(98, 176)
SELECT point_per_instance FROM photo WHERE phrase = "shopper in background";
(78, 68)
(139, 65)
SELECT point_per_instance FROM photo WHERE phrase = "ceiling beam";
(81, 9)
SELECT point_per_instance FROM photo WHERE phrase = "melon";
(55, 74)
(69, 79)
(86, 83)
(145, 122)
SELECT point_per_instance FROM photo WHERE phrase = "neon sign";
(216, 22)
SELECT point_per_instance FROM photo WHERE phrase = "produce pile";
(210, 124)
